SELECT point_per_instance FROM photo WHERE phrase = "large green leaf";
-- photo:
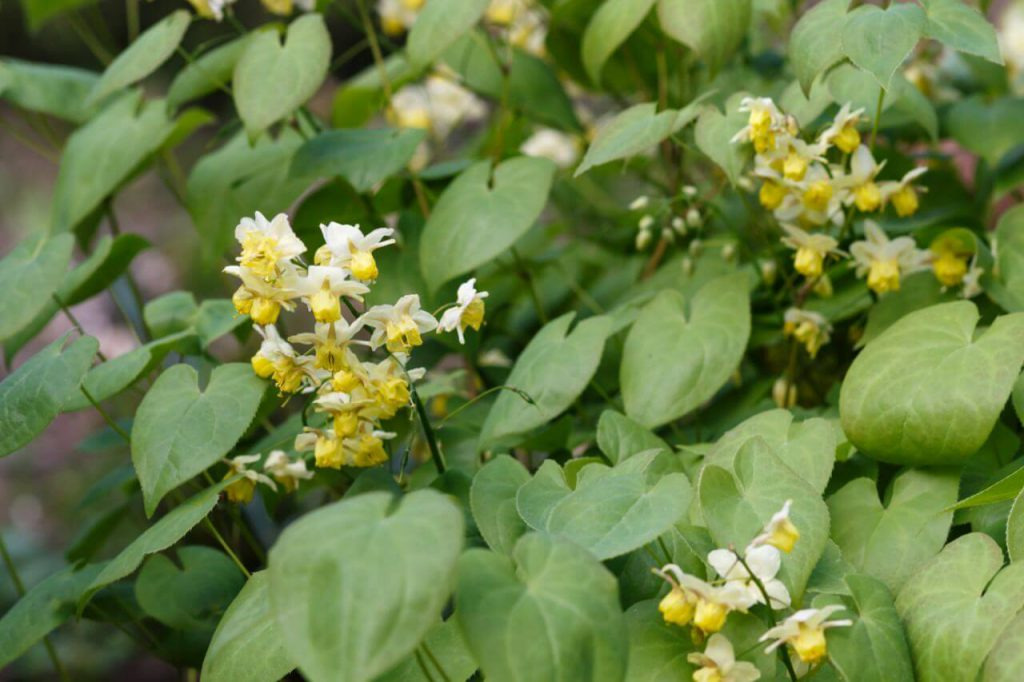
(1005, 284)
(449, 659)
(928, 390)
(29, 275)
(144, 56)
(439, 24)
(1015, 530)
(657, 650)
(612, 510)
(679, 351)
(816, 42)
(492, 499)
(203, 587)
(552, 370)
(961, 27)
(1005, 661)
(210, 72)
(737, 502)
(892, 541)
(481, 214)
(714, 132)
(957, 606)
(988, 127)
(247, 645)
(42, 609)
(619, 437)
(363, 157)
(879, 40)
(158, 537)
(103, 153)
(49, 89)
(273, 80)
(917, 291)
(37, 391)
(611, 24)
(711, 28)
(323, 563)
(551, 612)
(180, 430)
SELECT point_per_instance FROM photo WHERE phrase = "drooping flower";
(330, 342)
(346, 246)
(286, 471)
(717, 663)
(764, 562)
(811, 250)
(322, 288)
(808, 327)
(843, 131)
(779, 532)
(902, 193)
(804, 631)
(865, 193)
(399, 326)
(262, 300)
(468, 311)
(398, 16)
(764, 122)
(691, 599)
(211, 9)
(241, 491)
(885, 260)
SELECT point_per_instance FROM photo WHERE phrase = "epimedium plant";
(575, 340)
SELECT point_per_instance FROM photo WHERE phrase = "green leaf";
(1004, 489)
(247, 645)
(449, 651)
(657, 650)
(737, 502)
(273, 80)
(237, 180)
(619, 437)
(552, 370)
(879, 40)
(816, 42)
(48, 89)
(171, 313)
(439, 24)
(1015, 530)
(957, 606)
(39, 12)
(988, 127)
(210, 72)
(551, 612)
(808, 447)
(962, 28)
(874, 648)
(891, 542)
(1007, 657)
(215, 318)
(144, 56)
(179, 430)
(203, 587)
(928, 390)
(29, 275)
(611, 24)
(35, 393)
(363, 157)
(847, 83)
(102, 154)
(322, 564)
(713, 29)
(919, 290)
(714, 133)
(492, 499)
(42, 609)
(679, 352)
(612, 510)
(1005, 284)
(805, 108)
(481, 214)
(158, 537)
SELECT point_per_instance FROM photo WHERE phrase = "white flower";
(764, 561)
(399, 326)
(640, 203)
(330, 341)
(468, 310)
(323, 285)
(346, 246)
(718, 662)
(805, 632)
(779, 531)
(260, 299)
(450, 103)
(267, 244)
(410, 107)
(211, 9)
(287, 472)
(972, 280)
(551, 144)
(885, 260)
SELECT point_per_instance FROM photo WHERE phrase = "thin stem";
(106, 417)
(878, 115)
(433, 659)
(227, 547)
(27, 141)
(771, 614)
(87, 36)
(428, 431)
(131, 11)
(518, 391)
(378, 57)
(19, 586)
(668, 554)
(75, 323)
(656, 257)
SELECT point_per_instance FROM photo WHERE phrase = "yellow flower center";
(325, 305)
(707, 675)
(329, 355)
(784, 536)
(370, 452)
(264, 311)
(328, 453)
(411, 118)
(676, 607)
(281, 7)
(402, 335)
(239, 492)
(322, 256)
(817, 195)
(363, 266)
(287, 375)
(344, 381)
(808, 262)
(242, 300)
(412, 5)
(884, 275)
(771, 195)
(949, 269)
(867, 197)
(394, 393)
(710, 616)
(848, 139)
(905, 201)
(794, 167)
(473, 315)
(260, 254)
(391, 25)
(763, 143)
(262, 365)
(809, 644)
(346, 424)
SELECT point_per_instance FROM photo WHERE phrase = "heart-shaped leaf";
(989, 128)
(680, 352)
(209, 72)
(608, 28)
(816, 41)
(928, 390)
(439, 24)
(29, 275)
(612, 510)
(957, 606)
(247, 645)
(961, 27)
(450, 655)
(180, 430)
(493, 501)
(47, 88)
(619, 437)
(363, 157)
(481, 214)
(891, 542)
(273, 80)
(879, 40)
(551, 612)
(1005, 284)
(711, 28)
(322, 564)
(203, 587)
(552, 370)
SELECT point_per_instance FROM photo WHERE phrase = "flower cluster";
(744, 581)
(215, 9)
(521, 23)
(353, 394)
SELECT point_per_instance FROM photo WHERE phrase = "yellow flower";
(794, 167)
(329, 452)
(902, 193)
(763, 122)
(399, 326)
(260, 299)
(843, 131)
(771, 194)
(241, 491)
(807, 327)
(811, 250)
(817, 195)
(710, 615)
(331, 344)
(804, 631)
(323, 286)
(718, 663)
(468, 311)
(280, 7)
(780, 531)
(677, 607)
(885, 260)
(347, 247)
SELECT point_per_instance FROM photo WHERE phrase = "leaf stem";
(428, 431)
(106, 417)
(783, 651)
(378, 57)
(518, 391)
(227, 547)
(74, 322)
(878, 115)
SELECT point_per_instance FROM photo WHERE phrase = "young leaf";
(481, 214)
(619, 437)
(439, 24)
(679, 352)
(928, 390)
(962, 28)
(180, 430)
(553, 370)
(291, 72)
(816, 42)
(210, 72)
(879, 40)
(144, 56)
(247, 645)
(551, 612)
(55, 90)
(611, 24)
(363, 157)
(1005, 284)
(29, 275)
(631, 132)
(35, 393)
(492, 499)
(322, 564)
(711, 28)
